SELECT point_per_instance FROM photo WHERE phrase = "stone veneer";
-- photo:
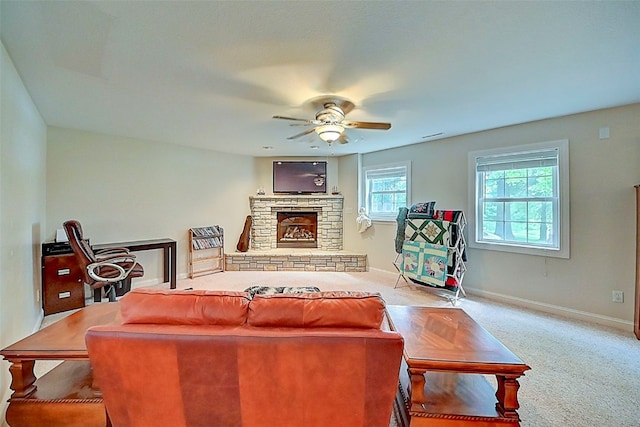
(296, 260)
(265, 208)
(264, 254)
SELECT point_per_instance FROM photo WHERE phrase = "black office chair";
(111, 269)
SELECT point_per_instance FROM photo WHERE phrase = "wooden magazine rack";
(206, 250)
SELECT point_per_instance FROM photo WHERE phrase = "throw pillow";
(272, 290)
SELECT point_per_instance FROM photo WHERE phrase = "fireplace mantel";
(276, 197)
(264, 209)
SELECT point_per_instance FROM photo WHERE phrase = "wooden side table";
(66, 395)
(442, 383)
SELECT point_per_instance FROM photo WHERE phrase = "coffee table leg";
(22, 377)
(417, 388)
(507, 395)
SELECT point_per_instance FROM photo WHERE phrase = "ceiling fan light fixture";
(330, 114)
(329, 133)
(330, 123)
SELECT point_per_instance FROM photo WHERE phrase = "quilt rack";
(431, 248)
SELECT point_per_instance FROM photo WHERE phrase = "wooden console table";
(167, 245)
(66, 395)
(442, 383)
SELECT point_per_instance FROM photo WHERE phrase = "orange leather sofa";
(215, 358)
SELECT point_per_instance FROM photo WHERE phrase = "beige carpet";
(582, 374)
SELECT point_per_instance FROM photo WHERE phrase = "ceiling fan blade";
(344, 139)
(365, 125)
(308, 122)
(293, 118)
(308, 131)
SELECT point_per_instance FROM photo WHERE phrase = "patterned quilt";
(425, 262)
(427, 230)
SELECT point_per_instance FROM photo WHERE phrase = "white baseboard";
(141, 283)
(38, 323)
(555, 309)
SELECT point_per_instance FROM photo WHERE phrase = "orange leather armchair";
(109, 269)
(215, 358)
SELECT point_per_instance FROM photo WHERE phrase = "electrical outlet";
(617, 296)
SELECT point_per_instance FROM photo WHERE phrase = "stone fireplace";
(327, 210)
(266, 252)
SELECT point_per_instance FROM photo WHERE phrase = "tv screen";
(299, 177)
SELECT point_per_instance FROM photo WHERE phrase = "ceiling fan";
(330, 121)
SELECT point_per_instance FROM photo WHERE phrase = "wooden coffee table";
(443, 382)
(66, 395)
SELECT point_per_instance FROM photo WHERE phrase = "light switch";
(604, 132)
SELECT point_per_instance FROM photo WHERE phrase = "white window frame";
(402, 167)
(561, 208)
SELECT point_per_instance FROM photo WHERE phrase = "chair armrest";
(102, 252)
(123, 264)
(117, 257)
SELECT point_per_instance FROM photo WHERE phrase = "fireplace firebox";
(297, 230)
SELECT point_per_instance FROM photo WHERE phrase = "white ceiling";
(211, 74)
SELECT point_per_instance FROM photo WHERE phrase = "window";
(521, 199)
(386, 188)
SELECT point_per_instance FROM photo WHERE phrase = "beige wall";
(124, 189)
(264, 166)
(127, 189)
(22, 213)
(602, 176)
(353, 240)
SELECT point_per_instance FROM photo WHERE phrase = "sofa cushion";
(185, 307)
(321, 309)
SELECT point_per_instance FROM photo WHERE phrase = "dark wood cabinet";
(62, 285)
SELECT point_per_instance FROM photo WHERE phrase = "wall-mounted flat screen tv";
(299, 177)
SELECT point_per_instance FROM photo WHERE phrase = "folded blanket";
(401, 220)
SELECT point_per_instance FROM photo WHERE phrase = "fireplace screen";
(297, 229)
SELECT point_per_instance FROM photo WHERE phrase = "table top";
(448, 339)
(136, 243)
(63, 339)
